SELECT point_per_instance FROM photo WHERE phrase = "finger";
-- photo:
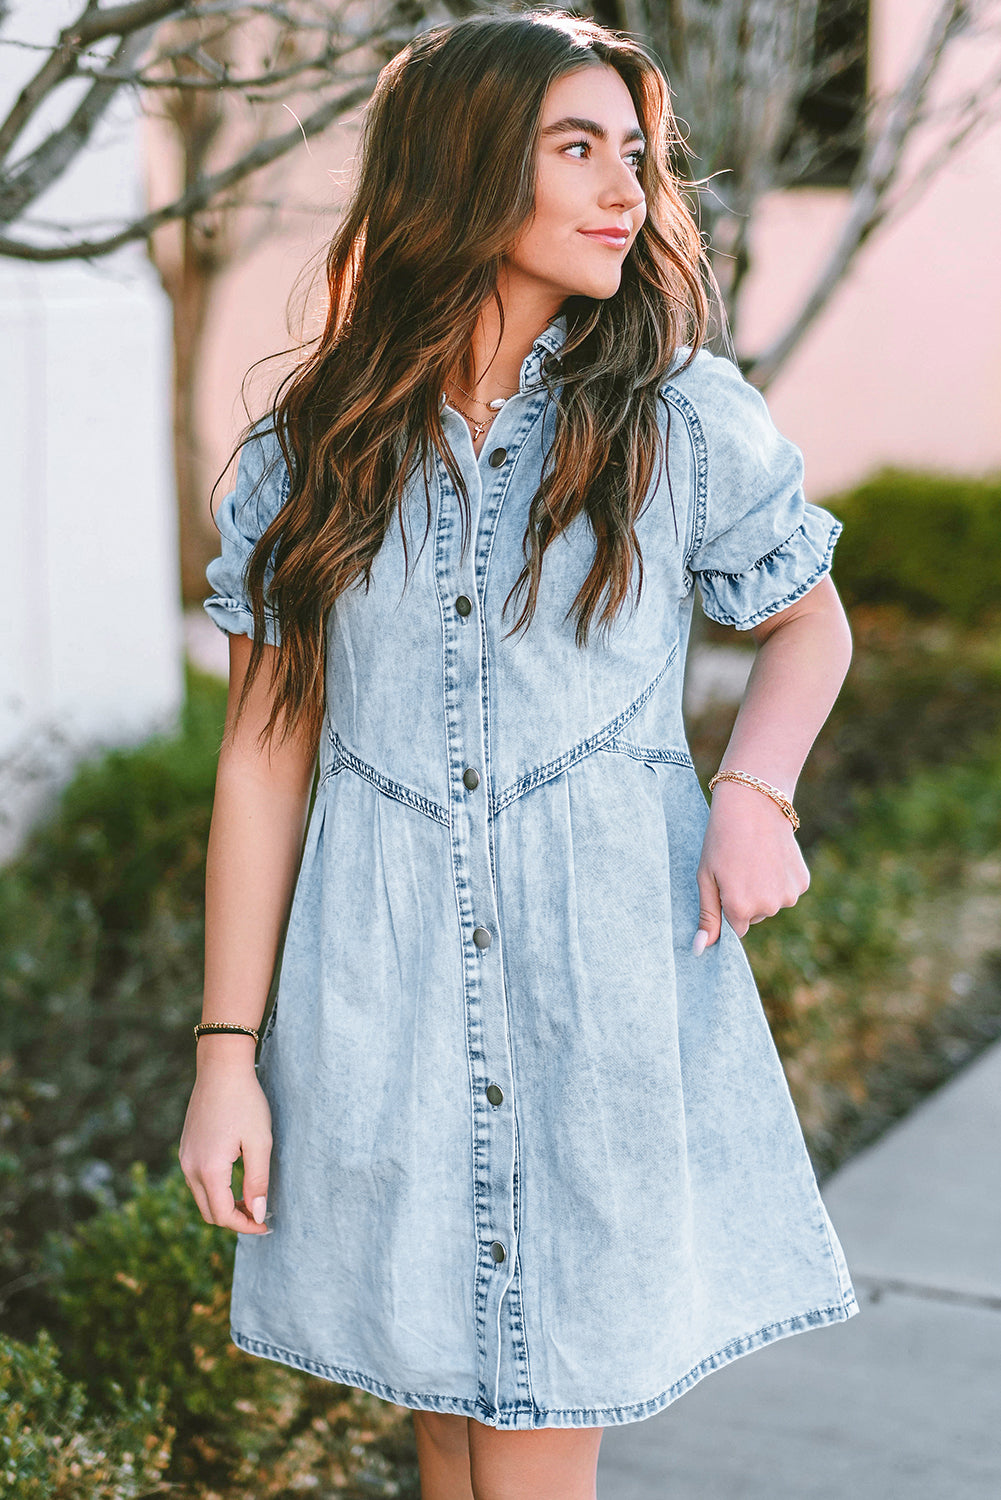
(256, 1160)
(236, 1218)
(739, 924)
(201, 1198)
(219, 1191)
(710, 913)
(192, 1177)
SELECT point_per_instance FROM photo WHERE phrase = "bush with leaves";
(101, 935)
(858, 976)
(53, 1447)
(141, 1303)
(930, 542)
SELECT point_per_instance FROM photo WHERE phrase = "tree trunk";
(191, 289)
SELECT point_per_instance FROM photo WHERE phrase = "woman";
(535, 1168)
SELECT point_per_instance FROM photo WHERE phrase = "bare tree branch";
(868, 202)
(975, 118)
(202, 192)
(59, 64)
(288, 71)
(123, 20)
(221, 78)
(29, 178)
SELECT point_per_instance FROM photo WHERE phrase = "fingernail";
(259, 1208)
(701, 939)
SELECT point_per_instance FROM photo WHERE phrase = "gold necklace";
(493, 406)
(479, 427)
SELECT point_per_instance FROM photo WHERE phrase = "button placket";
(485, 1003)
(486, 1010)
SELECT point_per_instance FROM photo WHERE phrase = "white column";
(90, 644)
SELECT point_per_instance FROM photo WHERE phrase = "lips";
(616, 241)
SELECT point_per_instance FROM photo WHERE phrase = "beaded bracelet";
(762, 786)
(224, 1026)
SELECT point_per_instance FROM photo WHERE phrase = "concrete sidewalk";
(902, 1402)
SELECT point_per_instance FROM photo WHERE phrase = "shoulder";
(261, 459)
(262, 478)
(709, 386)
(728, 417)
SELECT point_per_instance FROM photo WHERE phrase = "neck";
(494, 361)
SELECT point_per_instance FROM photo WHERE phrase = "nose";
(624, 189)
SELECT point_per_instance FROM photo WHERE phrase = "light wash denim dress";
(535, 1162)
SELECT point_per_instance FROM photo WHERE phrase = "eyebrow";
(574, 122)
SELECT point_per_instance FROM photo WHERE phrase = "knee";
(446, 1432)
(542, 1464)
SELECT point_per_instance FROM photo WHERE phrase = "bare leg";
(547, 1463)
(443, 1455)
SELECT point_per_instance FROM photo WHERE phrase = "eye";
(637, 151)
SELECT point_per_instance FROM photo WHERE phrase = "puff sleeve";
(261, 490)
(757, 542)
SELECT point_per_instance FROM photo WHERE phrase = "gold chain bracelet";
(204, 1027)
(762, 786)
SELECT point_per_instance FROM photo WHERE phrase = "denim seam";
(238, 607)
(700, 449)
(840, 1269)
(344, 757)
(596, 741)
(743, 572)
(769, 1333)
(620, 746)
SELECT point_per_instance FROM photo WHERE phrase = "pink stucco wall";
(901, 367)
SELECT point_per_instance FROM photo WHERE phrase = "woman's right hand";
(228, 1117)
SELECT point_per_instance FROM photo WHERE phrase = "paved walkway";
(902, 1402)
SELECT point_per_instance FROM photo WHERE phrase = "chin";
(600, 291)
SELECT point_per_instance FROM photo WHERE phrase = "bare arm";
(751, 864)
(255, 840)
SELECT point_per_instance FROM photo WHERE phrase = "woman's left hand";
(751, 864)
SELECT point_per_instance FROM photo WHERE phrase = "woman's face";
(586, 179)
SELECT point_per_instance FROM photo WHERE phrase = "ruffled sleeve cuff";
(781, 576)
(245, 513)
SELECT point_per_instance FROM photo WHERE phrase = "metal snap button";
(481, 937)
(471, 778)
(497, 1251)
(494, 1094)
(497, 457)
(463, 605)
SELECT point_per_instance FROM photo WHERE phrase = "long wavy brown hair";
(445, 185)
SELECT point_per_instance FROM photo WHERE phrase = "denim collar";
(549, 341)
(552, 338)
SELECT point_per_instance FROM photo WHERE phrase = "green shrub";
(101, 934)
(52, 1447)
(130, 825)
(929, 541)
(918, 695)
(141, 1297)
(142, 1292)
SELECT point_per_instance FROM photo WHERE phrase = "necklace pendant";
(496, 404)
